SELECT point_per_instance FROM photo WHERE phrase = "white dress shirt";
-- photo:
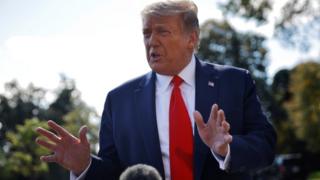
(163, 94)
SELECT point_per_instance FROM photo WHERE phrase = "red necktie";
(180, 136)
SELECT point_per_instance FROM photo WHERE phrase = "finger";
(49, 158)
(226, 126)
(51, 136)
(199, 120)
(220, 118)
(213, 115)
(60, 130)
(83, 135)
(51, 147)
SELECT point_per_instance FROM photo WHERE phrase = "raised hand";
(69, 151)
(214, 133)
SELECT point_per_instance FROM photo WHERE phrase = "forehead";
(171, 21)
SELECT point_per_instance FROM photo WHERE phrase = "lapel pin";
(211, 84)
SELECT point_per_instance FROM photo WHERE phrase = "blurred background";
(59, 59)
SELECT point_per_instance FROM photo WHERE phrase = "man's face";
(168, 46)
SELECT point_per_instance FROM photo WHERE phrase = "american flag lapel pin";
(210, 83)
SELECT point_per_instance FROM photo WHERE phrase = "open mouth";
(154, 56)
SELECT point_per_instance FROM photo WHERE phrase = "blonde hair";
(187, 9)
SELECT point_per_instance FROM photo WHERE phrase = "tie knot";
(176, 81)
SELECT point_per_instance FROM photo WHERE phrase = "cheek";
(145, 43)
(145, 46)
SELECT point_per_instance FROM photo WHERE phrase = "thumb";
(83, 135)
(199, 120)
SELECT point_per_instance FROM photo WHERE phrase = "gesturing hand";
(68, 151)
(214, 133)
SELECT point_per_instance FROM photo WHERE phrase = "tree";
(249, 9)
(298, 25)
(220, 43)
(21, 158)
(287, 140)
(304, 106)
(18, 104)
(21, 110)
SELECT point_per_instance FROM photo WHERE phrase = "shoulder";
(223, 70)
(132, 84)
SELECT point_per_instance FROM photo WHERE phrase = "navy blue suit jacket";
(129, 135)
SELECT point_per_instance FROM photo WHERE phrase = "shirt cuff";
(82, 175)
(223, 161)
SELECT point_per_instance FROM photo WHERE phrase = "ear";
(193, 40)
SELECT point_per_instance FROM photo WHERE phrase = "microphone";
(140, 172)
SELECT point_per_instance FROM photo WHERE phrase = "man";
(186, 118)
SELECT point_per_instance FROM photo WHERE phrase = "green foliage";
(304, 106)
(299, 23)
(22, 156)
(296, 109)
(220, 43)
(280, 86)
(18, 104)
(287, 140)
(249, 9)
(68, 97)
(297, 26)
(79, 117)
(314, 175)
(21, 110)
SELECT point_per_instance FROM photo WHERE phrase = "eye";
(146, 34)
(164, 32)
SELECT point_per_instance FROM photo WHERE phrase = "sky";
(98, 43)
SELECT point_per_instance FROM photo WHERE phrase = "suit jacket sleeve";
(254, 147)
(106, 165)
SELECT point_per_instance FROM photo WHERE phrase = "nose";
(152, 40)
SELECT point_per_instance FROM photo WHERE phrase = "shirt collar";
(187, 74)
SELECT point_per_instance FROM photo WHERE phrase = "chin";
(163, 72)
(158, 70)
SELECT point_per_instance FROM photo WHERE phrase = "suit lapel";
(146, 113)
(206, 95)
